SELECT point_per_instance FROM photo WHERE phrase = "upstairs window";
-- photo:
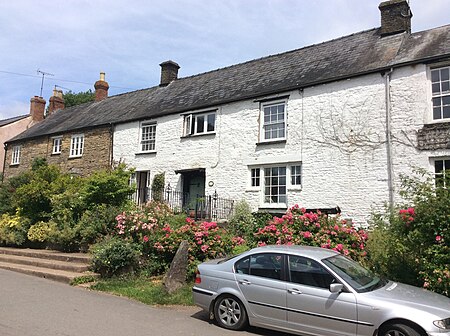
(57, 142)
(15, 155)
(148, 137)
(273, 125)
(201, 123)
(441, 172)
(77, 145)
(440, 84)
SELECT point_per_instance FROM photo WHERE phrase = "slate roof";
(345, 57)
(8, 121)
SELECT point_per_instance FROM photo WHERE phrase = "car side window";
(308, 272)
(266, 265)
(242, 266)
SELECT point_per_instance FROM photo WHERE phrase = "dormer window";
(200, 123)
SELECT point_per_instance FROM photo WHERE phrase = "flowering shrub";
(411, 243)
(297, 227)
(13, 229)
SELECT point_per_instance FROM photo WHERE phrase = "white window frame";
(440, 91)
(295, 184)
(262, 182)
(264, 123)
(191, 123)
(56, 145)
(76, 145)
(265, 196)
(255, 178)
(15, 157)
(446, 167)
(147, 142)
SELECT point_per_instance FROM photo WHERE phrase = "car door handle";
(294, 291)
(245, 282)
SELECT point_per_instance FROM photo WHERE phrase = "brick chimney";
(37, 108)
(395, 17)
(101, 88)
(56, 102)
(169, 72)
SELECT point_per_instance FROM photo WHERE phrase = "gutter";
(389, 137)
(5, 146)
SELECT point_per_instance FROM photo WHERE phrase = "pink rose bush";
(298, 227)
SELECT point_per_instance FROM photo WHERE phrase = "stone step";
(53, 265)
(45, 263)
(52, 274)
(47, 254)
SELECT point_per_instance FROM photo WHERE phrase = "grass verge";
(146, 290)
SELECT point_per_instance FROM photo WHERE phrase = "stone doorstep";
(47, 254)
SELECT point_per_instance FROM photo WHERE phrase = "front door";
(194, 186)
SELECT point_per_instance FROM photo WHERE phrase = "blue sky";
(76, 39)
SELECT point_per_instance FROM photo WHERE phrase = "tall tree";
(72, 98)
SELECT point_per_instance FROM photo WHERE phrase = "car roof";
(317, 253)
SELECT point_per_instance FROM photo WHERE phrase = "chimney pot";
(169, 72)
(395, 17)
(56, 102)
(37, 108)
(101, 88)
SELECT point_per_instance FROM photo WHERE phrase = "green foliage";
(41, 232)
(158, 187)
(148, 290)
(97, 222)
(108, 187)
(72, 98)
(411, 243)
(13, 230)
(243, 222)
(114, 256)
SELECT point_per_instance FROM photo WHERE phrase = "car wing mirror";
(336, 287)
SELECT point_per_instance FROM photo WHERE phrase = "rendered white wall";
(337, 131)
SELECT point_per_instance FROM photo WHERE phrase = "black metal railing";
(205, 207)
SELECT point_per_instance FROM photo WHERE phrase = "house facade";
(62, 139)
(331, 126)
(337, 143)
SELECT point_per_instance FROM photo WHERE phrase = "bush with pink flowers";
(298, 227)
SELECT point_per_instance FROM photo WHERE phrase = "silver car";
(314, 291)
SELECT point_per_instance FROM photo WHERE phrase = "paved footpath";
(31, 306)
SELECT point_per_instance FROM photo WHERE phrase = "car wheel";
(398, 330)
(230, 313)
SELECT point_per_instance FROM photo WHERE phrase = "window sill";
(53, 154)
(144, 153)
(197, 135)
(280, 206)
(75, 157)
(14, 164)
(297, 188)
(253, 190)
(274, 142)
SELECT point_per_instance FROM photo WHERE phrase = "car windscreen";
(361, 279)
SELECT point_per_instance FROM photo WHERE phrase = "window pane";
(435, 76)
(445, 87)
(436, 87)
(437, 113)
(446, 112)
(436, 102)
(438, 166)
(211, 122)
(445, 74)
(200, 121)
(242, 266)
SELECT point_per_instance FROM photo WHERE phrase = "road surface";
(31, 306)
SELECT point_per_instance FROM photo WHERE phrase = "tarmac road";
(31, 306)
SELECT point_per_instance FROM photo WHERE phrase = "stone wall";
(96, 153)
(337, 132)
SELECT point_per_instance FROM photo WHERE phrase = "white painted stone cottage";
(325, 126)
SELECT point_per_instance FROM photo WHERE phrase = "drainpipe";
(5, 146)
(389, 137)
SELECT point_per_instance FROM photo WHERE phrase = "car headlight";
(442, 324)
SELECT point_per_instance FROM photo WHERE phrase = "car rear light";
(198, 279)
